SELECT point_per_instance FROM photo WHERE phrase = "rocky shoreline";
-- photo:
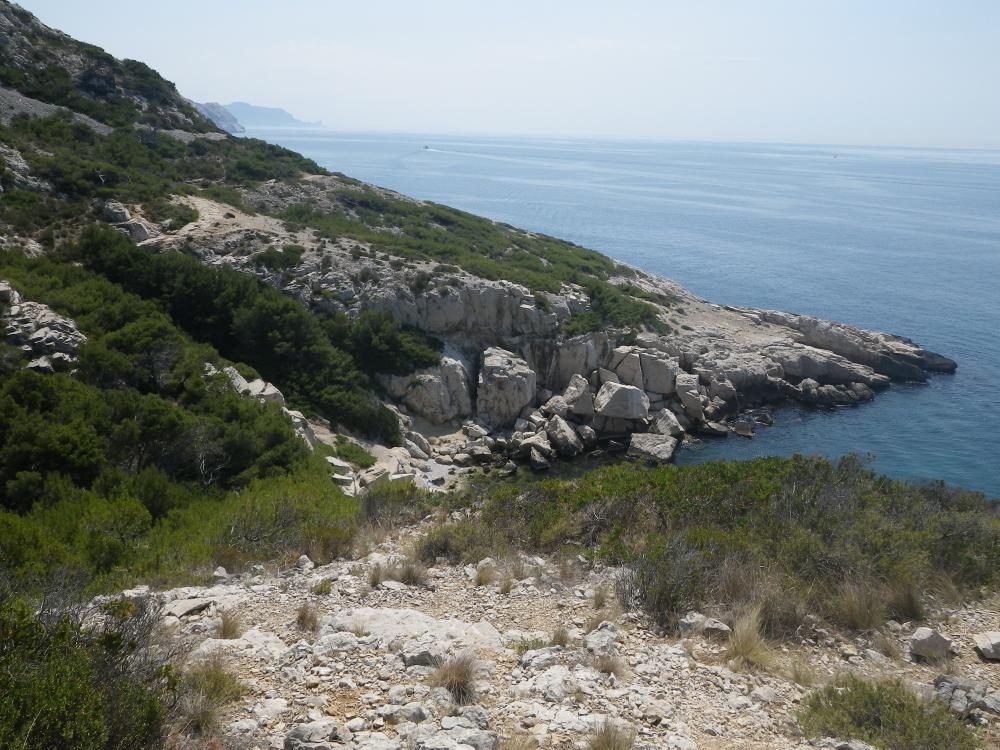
(511, 387)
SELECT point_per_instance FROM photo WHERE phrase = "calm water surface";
(899, 240)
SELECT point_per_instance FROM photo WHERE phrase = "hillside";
(271, 442)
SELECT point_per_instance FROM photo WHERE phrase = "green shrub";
(885, 714)
(62, 685)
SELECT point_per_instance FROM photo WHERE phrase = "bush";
(884, 714)
(63, 685)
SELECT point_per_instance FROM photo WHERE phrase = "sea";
(895, 239)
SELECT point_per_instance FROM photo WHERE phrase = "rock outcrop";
(506, 386)
(47, 339)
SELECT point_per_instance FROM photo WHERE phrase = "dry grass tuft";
(888, 645)
(485, 576)
(506, 584)
(520, 742)
(306, 618)
(409, 572)
(601, 594)
(748, 649)
(560, 637)
(607, 664)
(359, 630)
(457, 674)
(322, 587)
(376, 575)
(611, 736)
(801, 672)
(859, 605)
(230, 626)
(205, 688)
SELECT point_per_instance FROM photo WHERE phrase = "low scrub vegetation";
(884, 714)
(781, 535)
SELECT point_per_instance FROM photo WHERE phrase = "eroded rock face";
(506, 386)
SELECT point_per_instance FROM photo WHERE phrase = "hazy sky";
(906, 72)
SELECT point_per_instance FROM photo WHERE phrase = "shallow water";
(900, 240)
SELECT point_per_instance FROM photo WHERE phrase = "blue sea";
(895, 239)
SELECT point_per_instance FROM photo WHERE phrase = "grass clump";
(306, 618)
(206, 687)
(748, 649)
(610, 665)
(410, 572)
(560, 637)
(506, 584)
(230, 625)
(457, 674)
(885, 714)
(611, 736)
(529, 644)
(322, 587)
(859, 605)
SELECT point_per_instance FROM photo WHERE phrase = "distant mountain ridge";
(253, 116)
(221, 116)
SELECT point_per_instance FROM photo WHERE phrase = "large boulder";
(578, 397)
(626, 365)
(616, 400)
(658, 373)
(563, 437)
(439, 393)
(651, 447)
(506, 386)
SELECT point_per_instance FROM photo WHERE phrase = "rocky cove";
(511, 386)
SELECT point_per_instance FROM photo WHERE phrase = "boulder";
(626, 365)
(929, 644)
(665, 423)
(563, 437)
(616, 400)
(537, 461)
(316, 735)
(438, 394)
(601, 640)
(988, 644)
(578, 397)
(652, 447)
(506, 386)
(658, 374)
(537, 442)
(115, 213)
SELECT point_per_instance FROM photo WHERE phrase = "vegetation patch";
(799, 527)
(884, 714)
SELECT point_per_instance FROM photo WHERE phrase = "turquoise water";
(900, 240)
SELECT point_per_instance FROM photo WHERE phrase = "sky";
(873, 72)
